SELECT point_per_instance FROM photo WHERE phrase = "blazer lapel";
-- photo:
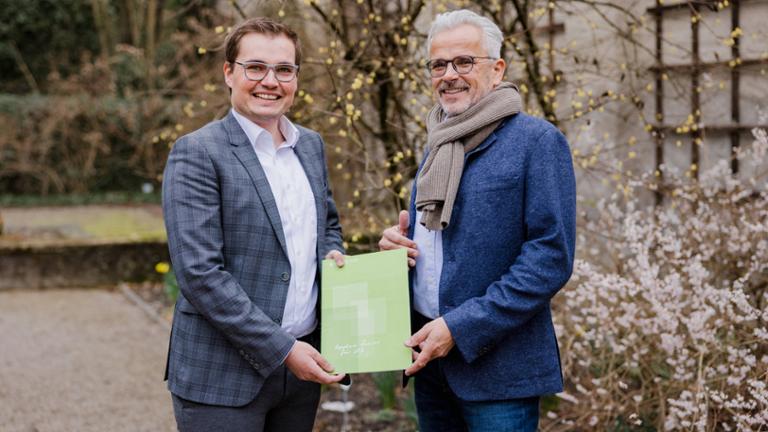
(310, 162)
(247, 156)
(488, 141)
(483, 145)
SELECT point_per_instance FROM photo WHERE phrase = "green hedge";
(82, 143)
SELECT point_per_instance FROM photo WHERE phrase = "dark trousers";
(284, 403)
(441, 410)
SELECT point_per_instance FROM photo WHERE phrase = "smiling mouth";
(452, 91)
(264, 96)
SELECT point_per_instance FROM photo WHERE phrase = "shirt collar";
(254, 131)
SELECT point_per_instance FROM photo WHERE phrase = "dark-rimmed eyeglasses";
(257, 71)
(461, 64)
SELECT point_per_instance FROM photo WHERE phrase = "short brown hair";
(259, 25)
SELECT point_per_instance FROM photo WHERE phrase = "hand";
(336, 256)
(394, 237)
(434, 340)
(308, 365)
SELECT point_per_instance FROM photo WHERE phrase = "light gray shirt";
(429, 267)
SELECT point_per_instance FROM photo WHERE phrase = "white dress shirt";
(296, 205)
(429, 268)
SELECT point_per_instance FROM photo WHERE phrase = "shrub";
(170, 285)
(672, 335)
(81, 143)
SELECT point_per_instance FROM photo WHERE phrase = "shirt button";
(285, 277)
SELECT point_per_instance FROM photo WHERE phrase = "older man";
(249, 215)
(492, 224)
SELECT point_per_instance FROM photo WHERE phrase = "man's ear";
(499, 67)
(228, 71)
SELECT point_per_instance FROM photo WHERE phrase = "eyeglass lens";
(257, 71)
(461, 64)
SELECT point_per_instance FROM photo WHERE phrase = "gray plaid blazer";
(228, 252)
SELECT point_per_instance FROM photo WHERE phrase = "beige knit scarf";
(447, 142)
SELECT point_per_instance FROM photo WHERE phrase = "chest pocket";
(490, 183)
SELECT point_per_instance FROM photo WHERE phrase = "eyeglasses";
(257, 71)
(461, 64)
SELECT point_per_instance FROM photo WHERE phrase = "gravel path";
(80, 360)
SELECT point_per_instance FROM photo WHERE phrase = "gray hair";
(450, 20)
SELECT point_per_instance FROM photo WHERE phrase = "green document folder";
(365, 313)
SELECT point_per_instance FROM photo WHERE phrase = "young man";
(492, 224)
(249, 216)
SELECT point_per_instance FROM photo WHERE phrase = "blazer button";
(285, 277)
(278, 321)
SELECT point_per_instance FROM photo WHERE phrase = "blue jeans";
(440, 410)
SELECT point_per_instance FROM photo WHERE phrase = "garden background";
(662, 326)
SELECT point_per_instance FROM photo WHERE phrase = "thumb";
(322, 362)
(417, 337)
(403, 222)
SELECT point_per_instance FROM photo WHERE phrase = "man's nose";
(269, 79)
(450, 73)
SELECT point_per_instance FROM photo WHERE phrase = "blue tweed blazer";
(228, 252)
(508, 248)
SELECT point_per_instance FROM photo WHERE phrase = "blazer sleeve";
(192, 213)
(545, 262)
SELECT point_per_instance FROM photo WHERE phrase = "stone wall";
(79, 265)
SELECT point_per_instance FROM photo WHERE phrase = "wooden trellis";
(694, 69)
